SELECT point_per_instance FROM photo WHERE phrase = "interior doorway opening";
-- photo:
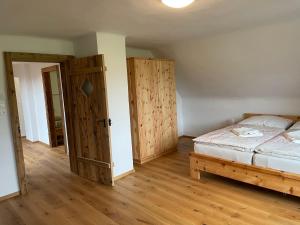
(54, 106)
(41, 113)
(40, 103)
(12, 58)
(87, 133)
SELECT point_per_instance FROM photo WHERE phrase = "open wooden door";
(88, 120)
(54, 105)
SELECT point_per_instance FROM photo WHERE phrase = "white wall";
(33, 100)
(113, 48)
(39, 100)
(253, 70)
(139, 52)
(26, 92)
(86, 45)
(8, 174)
(206, 114)
(20, 106)
(180, 118)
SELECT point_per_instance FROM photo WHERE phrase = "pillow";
(296, 126)
(268, 121)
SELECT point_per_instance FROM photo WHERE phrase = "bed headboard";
(294, 118)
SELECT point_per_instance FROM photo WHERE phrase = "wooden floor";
(160, 192)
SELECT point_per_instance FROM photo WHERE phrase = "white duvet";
(225, 137)
(280, 147)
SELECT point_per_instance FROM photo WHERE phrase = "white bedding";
(225, 137)
(224, 152)
(280, 146)
(276, 163)
(296, 126)
(247, 132)
(268, 121)
(293, 135)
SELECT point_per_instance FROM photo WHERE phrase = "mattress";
(224, 152)
(282, 164)
(225, 137)
(280, 147)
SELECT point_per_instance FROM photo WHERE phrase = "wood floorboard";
(159, 192)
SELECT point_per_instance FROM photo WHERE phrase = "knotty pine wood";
(91, 137)
(159, 192)
(273, 179)
(152, 93)
(264, 177)
(15, 122)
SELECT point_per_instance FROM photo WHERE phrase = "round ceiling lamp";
(177, 3)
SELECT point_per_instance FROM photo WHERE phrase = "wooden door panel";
(90, 119)
(49, 109)
(168, 103)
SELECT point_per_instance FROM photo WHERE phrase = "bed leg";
(195, 174)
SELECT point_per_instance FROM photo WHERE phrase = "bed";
(217, 153)
(280, 153)
(224, 144)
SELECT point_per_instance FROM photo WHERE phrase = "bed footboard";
(268, 178)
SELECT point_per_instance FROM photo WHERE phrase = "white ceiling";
(144, 22)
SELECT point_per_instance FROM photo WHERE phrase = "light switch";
(3, 110)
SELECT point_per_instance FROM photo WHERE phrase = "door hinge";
(109, 122)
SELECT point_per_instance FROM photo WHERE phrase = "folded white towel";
(246, 132)
(293, 136)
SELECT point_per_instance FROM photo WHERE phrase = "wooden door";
(48, 74)
(90, 152)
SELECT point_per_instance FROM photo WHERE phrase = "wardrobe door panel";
(157, 119)
(146, 103)
(153, 107)
(168, 103)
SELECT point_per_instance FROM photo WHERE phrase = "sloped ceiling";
(144, 22)
(224, 65)
(257, 62)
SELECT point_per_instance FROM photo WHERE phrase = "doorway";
(54, 105)
(86, 114)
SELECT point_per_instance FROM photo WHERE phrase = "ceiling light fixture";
(177, 3)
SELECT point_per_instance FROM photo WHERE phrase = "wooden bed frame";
(264, 177)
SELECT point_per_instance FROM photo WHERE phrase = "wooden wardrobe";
(152, 93)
